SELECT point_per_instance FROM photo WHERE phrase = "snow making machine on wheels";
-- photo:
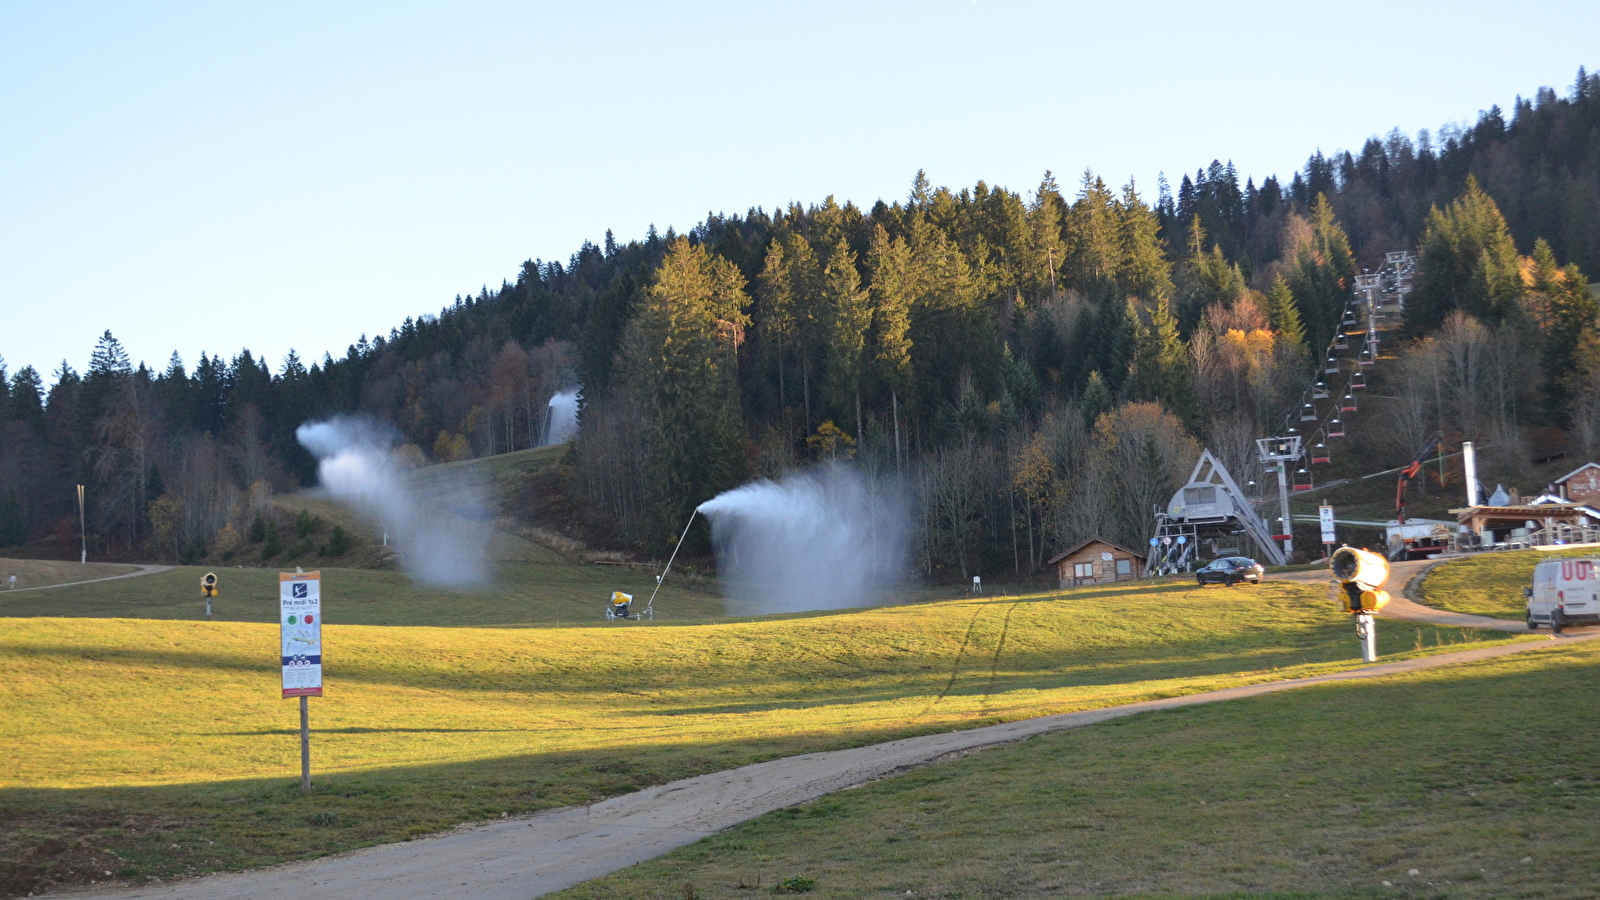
(621, 607)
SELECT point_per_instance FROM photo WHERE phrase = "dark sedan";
(1230, 570)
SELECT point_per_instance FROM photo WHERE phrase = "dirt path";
(525, 857)
(139, 570)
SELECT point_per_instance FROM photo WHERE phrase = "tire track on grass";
(955, 669)
(994, 662)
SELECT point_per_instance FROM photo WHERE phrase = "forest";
(1032, 368)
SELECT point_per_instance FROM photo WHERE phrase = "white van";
(1565, 592)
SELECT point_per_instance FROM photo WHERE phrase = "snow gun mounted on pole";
(1361, 574)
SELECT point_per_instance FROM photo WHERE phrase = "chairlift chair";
(1335, 428)
(1308, 413)
(1302, 479)
(1358, 379)
(1332, 368)
(1319, 453)
(1341, 343)
(1320, 392)
(1349, 402)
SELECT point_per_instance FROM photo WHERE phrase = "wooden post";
(305, 743)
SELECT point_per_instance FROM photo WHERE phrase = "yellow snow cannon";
(1361, 574)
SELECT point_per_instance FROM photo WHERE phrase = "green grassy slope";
(1482, 779)
(524, 593)
(138, 734)
(1488, 584)
(41, 572)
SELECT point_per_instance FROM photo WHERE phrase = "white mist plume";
(815, 540)
(563, 424)
(436, 547)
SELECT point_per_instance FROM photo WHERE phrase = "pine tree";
(691, 325)
(1143, 270)
(849, 315)
(890, 290)
(1466, 261)
(1160, 367)
(1284, 314)
(1094, 241)
(1096, 399)
(1567, 312)
(1044, 224)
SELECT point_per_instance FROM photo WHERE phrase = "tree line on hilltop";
(1037, 368)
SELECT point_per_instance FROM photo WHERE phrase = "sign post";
(300, 626)
(1329, 538)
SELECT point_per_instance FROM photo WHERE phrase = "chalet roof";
(1526, 511)
(1563, 479)
(1138, 554)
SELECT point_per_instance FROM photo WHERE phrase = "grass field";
(33, 573)
(528, 593)
(163, 741)
(1483, 780)
(1488, 584)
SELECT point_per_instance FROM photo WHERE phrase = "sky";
(215, 176)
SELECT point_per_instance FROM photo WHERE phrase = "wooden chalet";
(1097, 561)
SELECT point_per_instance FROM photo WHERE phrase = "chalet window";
(1083, 570)
(1124, 567)
(1199, 495)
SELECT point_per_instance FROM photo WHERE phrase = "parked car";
(1230, 570)
(1564, 592)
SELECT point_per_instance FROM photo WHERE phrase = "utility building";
(1581, 485)
(1097, 561)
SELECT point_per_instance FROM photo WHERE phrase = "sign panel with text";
(1325, 515)
(300, 624)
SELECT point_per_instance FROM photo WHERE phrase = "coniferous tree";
(691, 325)
(849, 315)
(1284, 314)
(1467, 262)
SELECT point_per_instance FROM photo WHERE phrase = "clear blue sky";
(208, 176)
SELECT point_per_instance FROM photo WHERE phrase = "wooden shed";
(1097, 561)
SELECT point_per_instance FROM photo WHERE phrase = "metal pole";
(1367, 633)
(305, 743)
(1283, 498)
(651, 605)
(83, 536)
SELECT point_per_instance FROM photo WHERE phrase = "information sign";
(1325, 516)
(300, 621)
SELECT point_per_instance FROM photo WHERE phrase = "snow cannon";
(1361, 574)
(620, 607)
